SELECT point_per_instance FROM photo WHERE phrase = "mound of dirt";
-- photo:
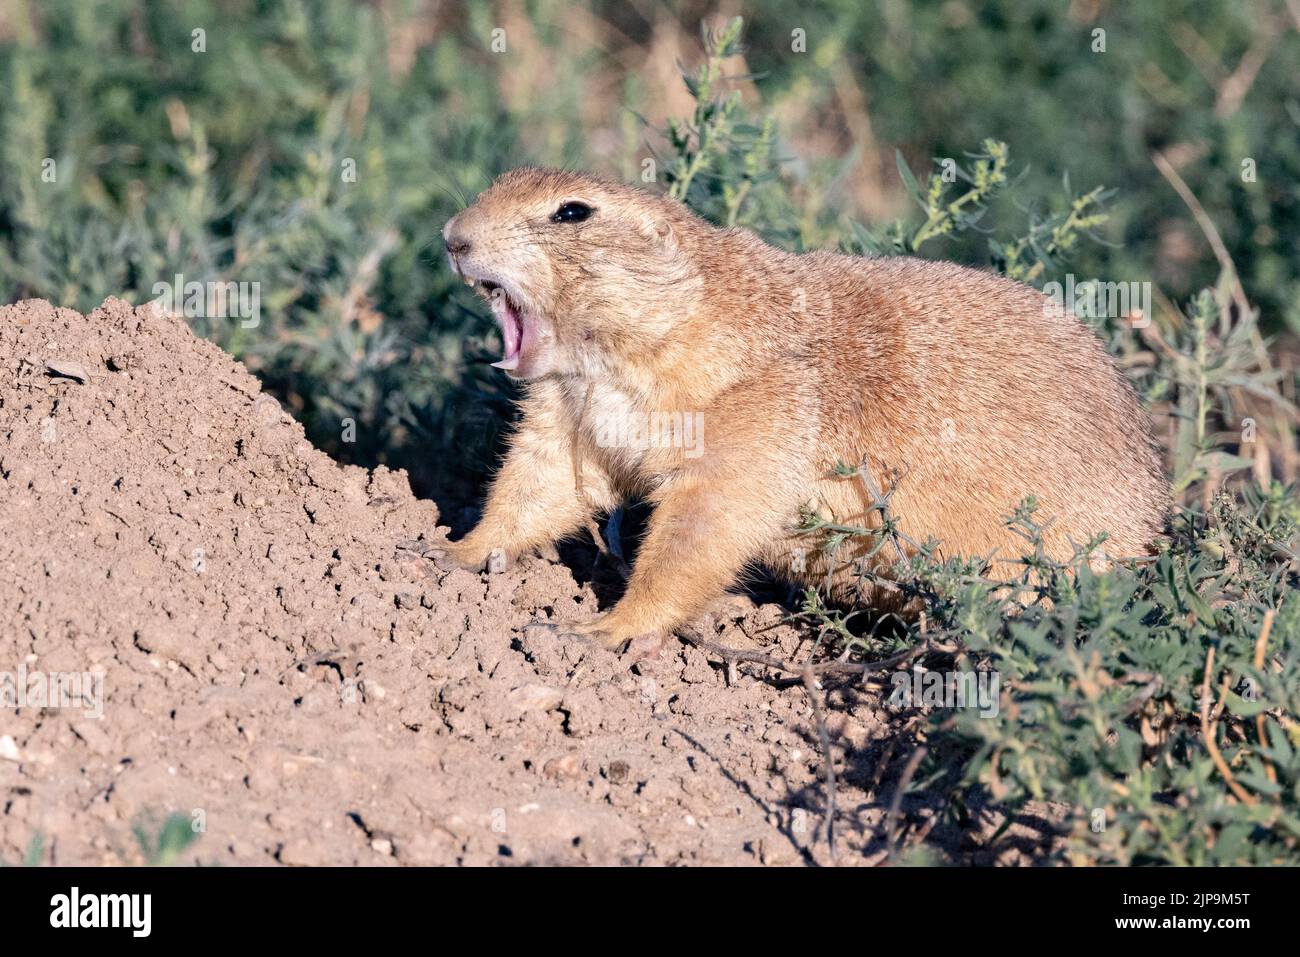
(202, 614)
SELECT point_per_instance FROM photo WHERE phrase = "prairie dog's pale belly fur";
(970, 386)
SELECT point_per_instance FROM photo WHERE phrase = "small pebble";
(9, 749)
(67, 369)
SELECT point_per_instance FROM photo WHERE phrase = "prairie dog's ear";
(659, 232)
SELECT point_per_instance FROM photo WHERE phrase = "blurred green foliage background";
(228, 162)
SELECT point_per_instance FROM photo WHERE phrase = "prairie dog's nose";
(454, 239)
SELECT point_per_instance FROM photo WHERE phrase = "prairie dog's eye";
(571, 213)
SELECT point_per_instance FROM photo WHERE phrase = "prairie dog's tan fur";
(972, 387)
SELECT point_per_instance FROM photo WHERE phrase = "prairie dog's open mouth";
(518, 328)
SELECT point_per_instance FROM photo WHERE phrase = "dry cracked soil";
(201, 614)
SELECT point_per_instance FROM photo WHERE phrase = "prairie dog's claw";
(448, 559)
(605, 631)
(593, 630)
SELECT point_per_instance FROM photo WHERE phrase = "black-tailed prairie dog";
(723, 380)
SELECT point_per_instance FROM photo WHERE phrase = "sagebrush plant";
(721, 162)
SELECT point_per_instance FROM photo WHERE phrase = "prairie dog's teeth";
(468, 281)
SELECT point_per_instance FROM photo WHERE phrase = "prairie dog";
(633, 322)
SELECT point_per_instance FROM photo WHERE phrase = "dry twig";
(1261, 644)
(1208, 730)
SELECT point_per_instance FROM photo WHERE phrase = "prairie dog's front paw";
(454, 555)
(593, 630)
(608, 632)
